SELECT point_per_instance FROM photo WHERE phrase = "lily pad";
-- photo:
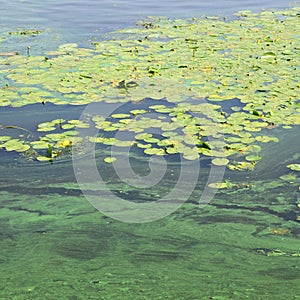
(294, 167)
(253, 157)
(220, 161)
(155, 151)
(109, 160)
(15, 145)
(218, 185)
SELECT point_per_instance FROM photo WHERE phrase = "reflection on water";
(55, 245)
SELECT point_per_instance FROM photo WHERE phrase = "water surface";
(55, 245)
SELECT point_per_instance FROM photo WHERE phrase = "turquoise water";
(55, 245)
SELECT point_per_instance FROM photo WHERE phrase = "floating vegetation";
(12, 53)
(218, 185)
(109, 160)
(294, 167)
(26, 32)
(220, 161)
(253, 59)
(15, 145)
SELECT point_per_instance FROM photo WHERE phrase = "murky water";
(55, 245)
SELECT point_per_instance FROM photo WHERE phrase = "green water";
(243, 245)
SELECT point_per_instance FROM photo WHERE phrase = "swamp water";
(244, 244)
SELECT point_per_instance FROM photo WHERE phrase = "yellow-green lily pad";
(220, 161)
(294, 167)
(253, 157)
(109, 160)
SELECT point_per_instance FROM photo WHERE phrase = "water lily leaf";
(79, 124)
(63, 144)
(45, 128)
(155, 151)
(266, 139)
(109, 160)
(151, 140)
(288, 177)
(220, 161)
(109, 141)
(4, 138)
(138, 111)
(120, 116)
(143, 146)
(254, 148)
(44, 158)
(143, 136)
(268, 54)
(253, 157)
(15, 145)
(39, 144)
(294, 167)
(242, 166)
(191, 154)
(218, 185)
(67, 126)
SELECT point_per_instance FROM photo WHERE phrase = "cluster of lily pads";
(253, 58)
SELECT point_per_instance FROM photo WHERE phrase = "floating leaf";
(109, 160)
(15, 145)
(63, 144)
(253, 157)
(39, 144)
(138, 111)
(288, 177)
(220, 161)
(294, 167)
(4, 138)
(155, 151)
(218, 185)
(44, 158)
(120, 116)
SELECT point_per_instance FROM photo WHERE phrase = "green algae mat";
(225, 92)
(54, 245)
(242, 245)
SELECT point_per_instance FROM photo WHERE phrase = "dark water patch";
(287, 215)
(228, 106)
(32, 211)
(89, 241)
(6, 231)
(291, 273)
(80, 245)
(225, 218)
(18, 189)
(29, 116)
(156, 256)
